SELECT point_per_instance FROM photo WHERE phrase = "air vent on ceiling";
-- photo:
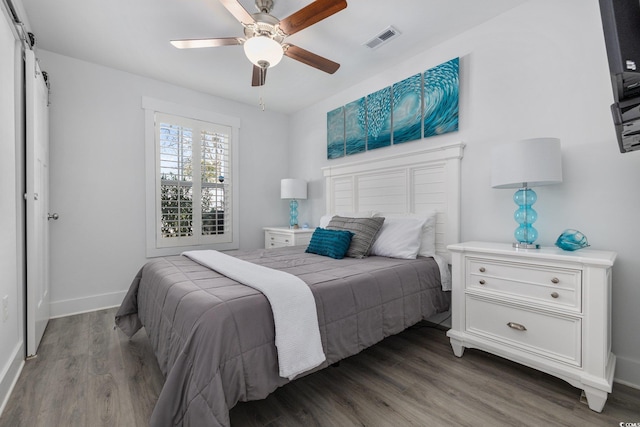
(385, 36)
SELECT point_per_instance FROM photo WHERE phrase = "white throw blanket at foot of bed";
(294, 308)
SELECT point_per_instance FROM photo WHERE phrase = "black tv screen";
(621, 26)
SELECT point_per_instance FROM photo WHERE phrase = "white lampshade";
(292, 188)
(263, 48)
(529, 162)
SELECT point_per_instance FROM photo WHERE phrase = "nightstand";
(545, 308)
(277, 237)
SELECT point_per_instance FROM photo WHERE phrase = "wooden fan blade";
(259, 76)
(311, 14)
(316, 61)
(238, 11)
(197, 43)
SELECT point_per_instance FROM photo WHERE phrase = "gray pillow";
(365, 231)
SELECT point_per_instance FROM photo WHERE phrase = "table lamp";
(522, 165)
(293, 189)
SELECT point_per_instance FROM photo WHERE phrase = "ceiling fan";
(264, 35)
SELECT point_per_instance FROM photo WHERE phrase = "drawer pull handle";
(482, 282)
(554, 295)
(287, 240)
(555, 280)
(516, 326)
(482, 270)
(272, 238)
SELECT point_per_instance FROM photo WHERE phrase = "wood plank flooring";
(88, 374)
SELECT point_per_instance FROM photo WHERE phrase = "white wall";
(537, 70)
(98, 180)
(11, 211)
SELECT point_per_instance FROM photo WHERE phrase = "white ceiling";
(133, 36)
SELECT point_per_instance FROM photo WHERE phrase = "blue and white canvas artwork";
(379, 119)
(407, 109)
(420, 106)
(441, 98)
(335, 133)
(355, 126)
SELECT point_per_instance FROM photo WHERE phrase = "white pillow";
(325, 219)
(428, 243)
(399, 237)
(428, 238)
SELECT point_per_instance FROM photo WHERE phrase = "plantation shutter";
(215, 168)
(193, 182)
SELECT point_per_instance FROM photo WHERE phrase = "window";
(191, 168)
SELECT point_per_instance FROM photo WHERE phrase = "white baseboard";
(627, 372)
(10, 374)
(86, 304)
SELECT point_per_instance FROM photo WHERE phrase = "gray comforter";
(214, 337)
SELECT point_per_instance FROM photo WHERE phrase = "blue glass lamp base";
(525, 216)
(293, 213)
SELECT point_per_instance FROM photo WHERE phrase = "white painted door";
(37, 196)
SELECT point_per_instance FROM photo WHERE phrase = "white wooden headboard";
(413, 182)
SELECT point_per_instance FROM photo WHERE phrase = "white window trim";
(151, 106)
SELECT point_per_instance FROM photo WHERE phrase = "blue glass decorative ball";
(526, 234)
(525, 197)
(525, 214)
(571, 240)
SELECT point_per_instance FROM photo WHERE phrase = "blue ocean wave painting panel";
(335, 133)
(440, 105)
(407, 109)
(355, 123)
(379, 119)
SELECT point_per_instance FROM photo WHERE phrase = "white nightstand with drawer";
(545, 308)
(277, 237)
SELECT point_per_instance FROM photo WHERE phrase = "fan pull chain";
(260, 100)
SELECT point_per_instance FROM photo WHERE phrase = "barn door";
(37, 197)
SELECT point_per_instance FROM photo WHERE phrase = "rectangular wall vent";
(383, 37)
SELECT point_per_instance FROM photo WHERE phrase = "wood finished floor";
(88, 374)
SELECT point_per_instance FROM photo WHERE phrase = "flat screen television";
(621, 25)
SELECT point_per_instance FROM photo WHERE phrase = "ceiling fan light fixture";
(263, 49)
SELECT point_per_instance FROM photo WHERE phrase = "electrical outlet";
(5, 308)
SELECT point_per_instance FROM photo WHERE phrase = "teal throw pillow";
(331, 243)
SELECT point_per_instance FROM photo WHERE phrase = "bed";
(214, 338)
